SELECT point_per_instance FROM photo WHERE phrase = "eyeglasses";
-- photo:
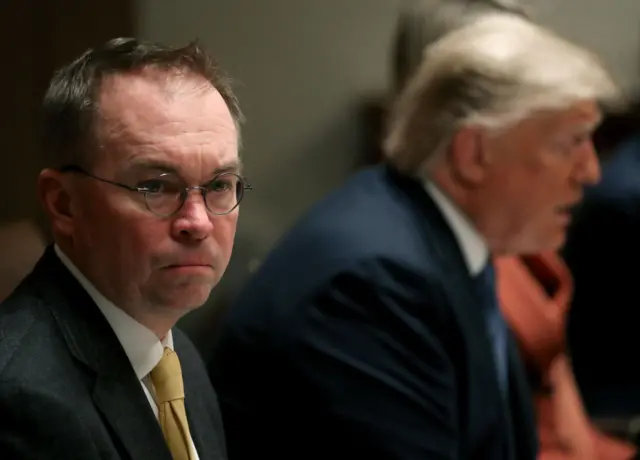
(166, 194)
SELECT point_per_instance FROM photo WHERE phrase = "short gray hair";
(492, 72)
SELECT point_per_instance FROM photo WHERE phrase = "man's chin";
(534, 244)
(185, 277)
(186, 297)
(551, 244)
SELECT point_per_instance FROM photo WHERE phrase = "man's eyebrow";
(232, 166)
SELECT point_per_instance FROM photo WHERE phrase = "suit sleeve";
(371, 350)
(35, 426)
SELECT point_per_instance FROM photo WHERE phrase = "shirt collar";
(471, 243)
(142, 346)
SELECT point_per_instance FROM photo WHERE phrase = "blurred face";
(155, 268)
(523, 182)
(536, 175)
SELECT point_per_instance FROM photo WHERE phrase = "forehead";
(181, 122)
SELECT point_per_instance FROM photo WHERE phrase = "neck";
(469, 201)
(160, 326)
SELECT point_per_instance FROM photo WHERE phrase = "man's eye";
(568, 144)
(221, 185)
(580, 139)
(159, 186)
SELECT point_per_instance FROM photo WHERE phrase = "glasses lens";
(164, 196)
(224, 193)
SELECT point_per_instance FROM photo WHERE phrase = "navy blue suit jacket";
(360, 337)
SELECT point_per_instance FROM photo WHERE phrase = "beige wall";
(609, 27)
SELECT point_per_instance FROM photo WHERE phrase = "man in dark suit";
(372, 329)
(142, 191)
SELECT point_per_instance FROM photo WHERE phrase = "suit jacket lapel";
(117, 394)
(126, 409)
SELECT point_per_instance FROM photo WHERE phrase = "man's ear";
(55, 197)
(468, 155)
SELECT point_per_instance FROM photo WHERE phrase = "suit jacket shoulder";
(46, 386)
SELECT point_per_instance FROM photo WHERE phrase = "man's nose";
(193, 221)
(589, 171)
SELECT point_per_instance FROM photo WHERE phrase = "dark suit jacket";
(602, 251)
(67, 388)
(360, 338)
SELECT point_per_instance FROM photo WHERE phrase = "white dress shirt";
(471, 243)
(143, 348)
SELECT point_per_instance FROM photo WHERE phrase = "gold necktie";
(167, 380)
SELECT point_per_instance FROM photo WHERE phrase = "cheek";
(127, 238)
(148, 240)
(92, 219)
(224, 233)
(541, 185)
(554, 188)
(511, 191)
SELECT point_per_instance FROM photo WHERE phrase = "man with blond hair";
(372, 330)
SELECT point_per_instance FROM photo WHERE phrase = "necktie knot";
(167, 378)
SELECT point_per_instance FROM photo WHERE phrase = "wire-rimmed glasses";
(166, 194)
